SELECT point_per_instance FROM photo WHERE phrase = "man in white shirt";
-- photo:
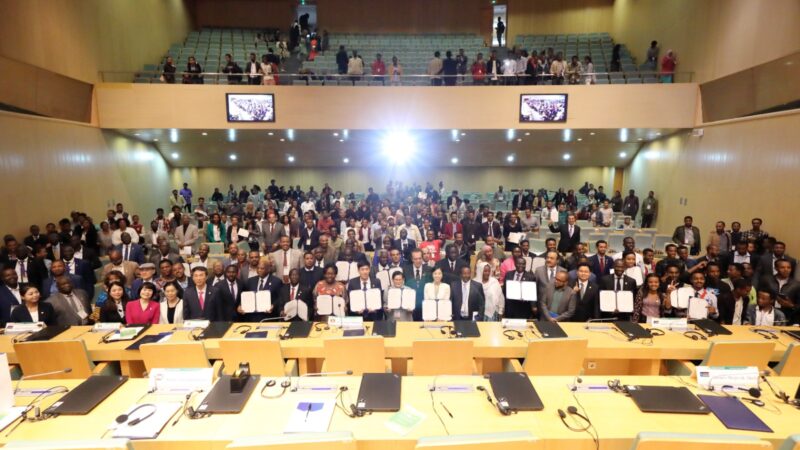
(411, 229)
(530, 222)
(355, 68)
(286, 258)
(308, 205)
(435, 68)
(607, 213)
(122, 227)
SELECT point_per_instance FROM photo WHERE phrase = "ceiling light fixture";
(567, 156)
(454, 160)
(232, 156)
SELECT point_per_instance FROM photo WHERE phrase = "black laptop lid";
(632, 330)
(385, 328)
(298, 330)
(379, 392)
(515, 388)
(549, 329)
(47, 333)
(667, 399)
(466, 328)
(87, 395)
(222, 401)
(792, 333)
(215, 330)
(710, 327)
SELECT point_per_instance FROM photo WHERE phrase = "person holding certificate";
(326, 288)
(364, 287)
(393, 299)
(437, 289)
(650, 301)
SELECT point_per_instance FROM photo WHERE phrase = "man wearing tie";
(518, 308)
(295, 291)
(272, 232)
(570, 234)
(404, 244)
(617, 282)
(451, 266)
(9, 294)
(263, 281)
(286, 258)
(29, 270)
(587, 305)
(546, 274)
(71, 305)
(417, 275)
(490, 227)
(365, 282)
(130, 251)
(469, 302)
(229, 292)
(200, 300)
(80, 268)
(600, 262)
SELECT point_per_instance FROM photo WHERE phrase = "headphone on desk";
(447, 330)
(573, 411)
(318, 326)
(515, 334)
(695, 335)
(766, 334)
(657, 332)
(242, 329)
(125, 419)
(284, 385)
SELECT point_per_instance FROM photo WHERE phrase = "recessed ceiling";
(365, 148)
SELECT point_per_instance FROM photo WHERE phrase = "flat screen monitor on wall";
(251, 107)
(543, 108)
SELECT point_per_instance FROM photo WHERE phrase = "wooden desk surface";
(616, 417)
(603, 344)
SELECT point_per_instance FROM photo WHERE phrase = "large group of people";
(311, 247)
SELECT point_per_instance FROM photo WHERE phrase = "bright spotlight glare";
(399, 146)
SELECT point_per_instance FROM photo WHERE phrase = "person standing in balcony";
(668, 64)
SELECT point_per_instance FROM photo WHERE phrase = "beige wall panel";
(736, 171)
(391, 16)
(50, 167)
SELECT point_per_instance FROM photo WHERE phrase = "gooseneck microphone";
(38, 375)
(319, 374)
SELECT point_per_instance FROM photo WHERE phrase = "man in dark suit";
(80, 268)
(518, 308)
(29, 270)
(130, 251)
(57, 269)
(85, 253)
(766, 265)
(310, 273)
(600, 262)
(491, 227)
(451, 266)
(587, 305)
(618, 281)
(35, 238)
(265, 280)
(462, 249)
(417, 274)
(570, 234)
(471, 229)
(688, 235)
(229, 293)
(365, 282)
(272, 231)
(309, 235)
(200, 300)
(785, 289)
(473, 306)
(9, 294)
(294, 290)
(404, 244)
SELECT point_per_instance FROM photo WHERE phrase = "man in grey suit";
(546, 274)
(153, 236)
(249, 268)
(330, 253)
(558, 304)
(186, 234)
(272, 232)
(286, 258)
(163, 251)
(71, 305)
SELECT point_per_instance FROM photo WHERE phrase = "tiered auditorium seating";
(597, 45)
(413, 51)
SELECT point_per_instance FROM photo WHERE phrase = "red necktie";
(602, 264)
(202, 296)
(291, 294)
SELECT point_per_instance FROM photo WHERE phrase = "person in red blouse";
(478, 70)
(378, 69)
(145, 309)
(434, 244)
(452, 227)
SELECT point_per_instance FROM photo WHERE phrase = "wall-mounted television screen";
(251, 107)
(543, 108)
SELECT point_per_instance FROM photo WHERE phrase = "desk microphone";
(272, 319)
(319, 374)
(589, 322)
(42, 374)
(782, 396)
(576, 381)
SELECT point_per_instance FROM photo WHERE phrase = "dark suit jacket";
(594, 261)
(450, 275)
(36, 270)
(607, 283)
(411, 245)
(30, 242)
(355, 285)
(273, 286)
(464, 253)
(495, 230)
(765, 264)
(302, 294)
(588, 305)
(46, 314)
(476, 301)
(7, 302)
(77, 283)
(680, 234)
(136, 253)
(212, 309)
(418, 286)
(519, 309)
(90, 256)
(565, 242)
(313, 236)
(84, 270)
(227, 301)
(309, 279)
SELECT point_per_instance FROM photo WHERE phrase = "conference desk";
(609, 352)
(615, 417)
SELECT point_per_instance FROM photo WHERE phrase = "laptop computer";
(222, 401)
(632, 330)
(298, 330)
(86, 396)
(466, 329)
(666, 399)
(792, 333)
(734, 414)
(385, 328)
(149, 339)
(379, 392)
(47, 333)
(516, 390)
(549, 329)
(215, 330)
(710, 327)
